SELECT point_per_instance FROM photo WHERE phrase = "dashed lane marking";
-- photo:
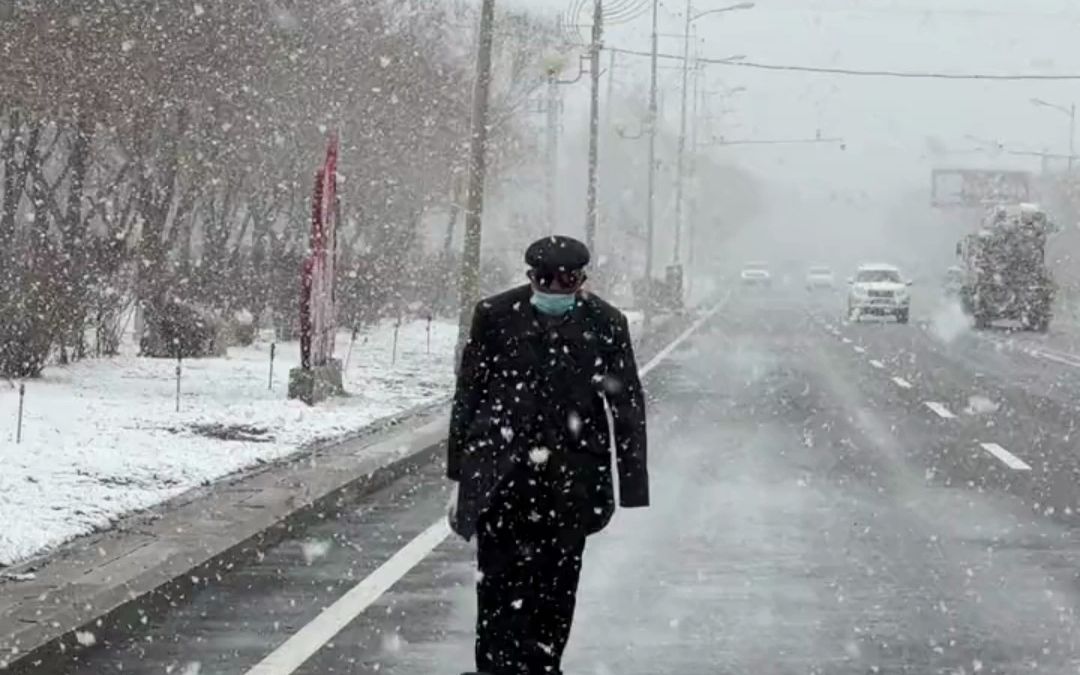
(902, 383)
(940, 410)
(859, 350)
(1010, 460)
(877, 364)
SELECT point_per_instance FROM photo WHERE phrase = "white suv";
(755, 274)
(879, 290)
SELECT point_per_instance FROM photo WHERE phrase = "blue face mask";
(553, 304)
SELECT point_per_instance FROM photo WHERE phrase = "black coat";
(531, 397)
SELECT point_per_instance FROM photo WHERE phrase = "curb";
(44, 641)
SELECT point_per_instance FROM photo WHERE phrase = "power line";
(854, 72)
(911, 75)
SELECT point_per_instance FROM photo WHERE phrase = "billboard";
(979, 187)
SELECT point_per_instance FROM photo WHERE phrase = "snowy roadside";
(101, 438)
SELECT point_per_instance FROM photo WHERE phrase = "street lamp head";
(720, 10)
(1060, 108)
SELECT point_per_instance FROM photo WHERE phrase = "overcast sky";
(886, 122)
(890, 125)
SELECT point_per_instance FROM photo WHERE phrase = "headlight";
(859, 291)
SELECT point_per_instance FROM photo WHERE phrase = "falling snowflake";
(392, 643)
(981, 405)
(313, 550)
(573, 422)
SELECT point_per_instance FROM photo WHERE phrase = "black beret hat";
(557, 254)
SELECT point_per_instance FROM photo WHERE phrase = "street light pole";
(1072, 136)
(682, 134)
(681, 159)
(651, 209)
(695, 185)
(1071, 112)
(594, 126)
(552, 149)
(469, 279)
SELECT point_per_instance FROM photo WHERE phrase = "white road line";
(1010, 460)
(666, 351)
(306, 642)
(859, 350)
(902, 383)
(303, 644)
(877, 364)
(846, 341)
(1064, 359)
(940, 410)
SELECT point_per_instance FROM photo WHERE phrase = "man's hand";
(451, 507)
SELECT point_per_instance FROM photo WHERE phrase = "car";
(879, 290)
(820, 278)
(755, 274)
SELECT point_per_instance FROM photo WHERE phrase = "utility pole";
(552, 148)
(469, 280)
(594, 125)
(650, 213)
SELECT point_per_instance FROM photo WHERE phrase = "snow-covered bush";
(175, 328)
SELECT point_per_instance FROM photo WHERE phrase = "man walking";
(530, 443)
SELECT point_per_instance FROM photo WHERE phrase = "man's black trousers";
(529, 569)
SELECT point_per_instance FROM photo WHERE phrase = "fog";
(275, 397)
(869, 199)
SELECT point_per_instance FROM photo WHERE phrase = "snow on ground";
(102, 438)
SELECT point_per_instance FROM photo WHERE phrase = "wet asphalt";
(812, 514)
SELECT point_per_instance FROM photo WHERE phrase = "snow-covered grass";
(102, 438)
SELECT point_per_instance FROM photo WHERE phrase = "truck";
(1005, 276)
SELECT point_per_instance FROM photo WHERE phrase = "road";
(829, 498)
